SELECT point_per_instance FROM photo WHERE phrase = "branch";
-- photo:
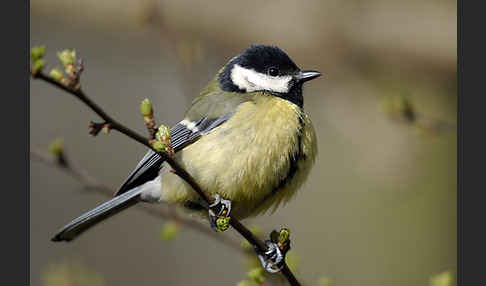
(94, 184)
(111, 123)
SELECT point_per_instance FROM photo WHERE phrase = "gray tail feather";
(98, 214)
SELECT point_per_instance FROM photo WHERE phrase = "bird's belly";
(248, 163)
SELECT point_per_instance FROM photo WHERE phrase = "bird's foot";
(273, 258)
(219, 212)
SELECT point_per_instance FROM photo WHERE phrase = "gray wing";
(182, 134)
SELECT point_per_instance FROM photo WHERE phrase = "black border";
(460, 168)
(15, 116)
(471, 151)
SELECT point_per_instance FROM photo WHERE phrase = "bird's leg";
(219, 212)
(273, 258)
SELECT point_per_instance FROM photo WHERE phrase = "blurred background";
(379, 207)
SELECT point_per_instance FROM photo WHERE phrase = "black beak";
(307, 75)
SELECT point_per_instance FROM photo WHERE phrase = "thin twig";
(94, 184)
(181, 172)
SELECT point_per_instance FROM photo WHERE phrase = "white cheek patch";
(251, 80)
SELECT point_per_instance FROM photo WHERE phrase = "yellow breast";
(249, 159)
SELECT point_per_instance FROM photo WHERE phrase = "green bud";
(67, 57)
(146, 107)
(169, 231)
(56, 74)
(56, 147)
(69, 69)
(106, 129)
(256, 275)
(244, 283)
(38, 65)
(37, 52)
(159, 146)
(222, 223)
(284, 235)
(163, 133)
(325, 281)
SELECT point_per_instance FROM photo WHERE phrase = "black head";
(265, 68)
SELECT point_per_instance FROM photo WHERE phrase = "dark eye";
(273, 71)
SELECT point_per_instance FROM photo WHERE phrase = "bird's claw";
(272, 258)
(219, 212)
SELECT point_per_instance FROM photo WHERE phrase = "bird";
(245, 139)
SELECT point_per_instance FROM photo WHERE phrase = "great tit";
(246, 140)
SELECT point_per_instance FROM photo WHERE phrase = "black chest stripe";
(294, 160)
(294, 165)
